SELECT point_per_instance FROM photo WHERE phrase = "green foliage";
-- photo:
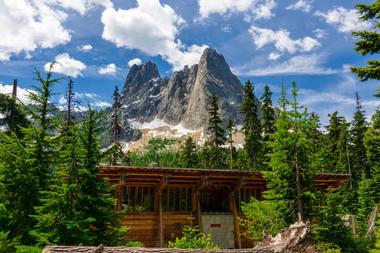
(192, 238)
(188, 154)
(292, 158)
(6, 244)
(262, 217)
(134, 244)
(28, 249)
(366, 201)
(369, 42)
(330, 227)
(216, 137)
(328, 248)
(359, 166)
(78, 206)
(14, 117)
(251, 127)
(336, 142)
(159, 152)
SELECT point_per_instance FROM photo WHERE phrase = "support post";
(236, 222)
(160, 220)
(199, 211)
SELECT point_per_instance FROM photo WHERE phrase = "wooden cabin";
(160, 201)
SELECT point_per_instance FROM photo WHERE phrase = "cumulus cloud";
(151, 28)
(261, 9)
(85, 48)
(134, 61)
(66, 65)
(22, 94)
(26, 25)
(82, 99)
(274, 56)
(302, 5)
(345, 21)
(110, 69)
(82, 6)
(281, 40)
(300, 64)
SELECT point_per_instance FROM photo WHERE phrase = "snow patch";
(157, 123)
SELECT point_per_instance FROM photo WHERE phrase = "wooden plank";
(161, 227)
(236, 222)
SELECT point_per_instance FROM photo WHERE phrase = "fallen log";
(101, 249)
(287, 240)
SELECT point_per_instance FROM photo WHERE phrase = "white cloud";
(66, 65)
(26, 25)
(134, 61)
(261, 9)
(110, 69)
(82, 100)
(281, 40)
(274, 56)
(151, 28)
(22, 94)
(82, 6)
(300, 64)
(344, 20)
(84, 48)
(319, 33)
(302, 5)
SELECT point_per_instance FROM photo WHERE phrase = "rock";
(182, 98)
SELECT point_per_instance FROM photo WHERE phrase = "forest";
(50, 193)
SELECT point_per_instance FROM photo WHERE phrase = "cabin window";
(245, 195)
(214, 199)
(177, 199)
(138, 198)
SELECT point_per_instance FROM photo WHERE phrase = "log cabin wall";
(159, 202)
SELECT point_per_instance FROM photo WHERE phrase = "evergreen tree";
(292, 161)
(78, 206)
(251, 126)
(372, 145)
(27, 163)
(213, 153)
(358, 159)
(230, 141)
(188, 154)
(14, 117)
(115, 154)
(268, 113)
(336, 142)
(369, 42)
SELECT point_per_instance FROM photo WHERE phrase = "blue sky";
(266, 41)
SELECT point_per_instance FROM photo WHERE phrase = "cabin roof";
(193, 175)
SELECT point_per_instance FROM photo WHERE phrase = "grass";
(376, 248)
(28, 249)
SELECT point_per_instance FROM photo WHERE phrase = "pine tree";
(336, 142)
(14, 113)
(251, 126)
(372, 145)
(292, 160)
(358, 159)
(230, 141)
(27, 163)
(213, 152)
(188, 154)
(268, 113)
(369, 42)
(115, 154)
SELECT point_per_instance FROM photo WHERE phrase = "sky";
(266, 41)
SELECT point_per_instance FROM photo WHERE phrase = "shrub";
(193, 239)
(6, 245)
(262, 217)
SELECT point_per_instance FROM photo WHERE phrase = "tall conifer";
(251, 126)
